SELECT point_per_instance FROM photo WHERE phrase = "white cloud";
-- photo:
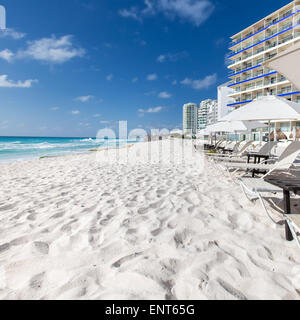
(174, 82)
(141, 42)
(161, 58)
(11, 33)
(5, 83)
(134, 80)
(151, 110)
(55, 108)
(75, 112)
(84, 98)
(97, 115)
(194, 11)
(152, 77)
(7, 55)
(171, 57)
(84, 124)
(130, 13)
(109, 77)
(52, 50)
(205, 83)
(149, 7)
(104, 122)
(164, 95)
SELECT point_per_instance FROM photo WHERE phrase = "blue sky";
(71, 67)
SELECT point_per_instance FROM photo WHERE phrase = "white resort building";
(256, 44)
(224, 100)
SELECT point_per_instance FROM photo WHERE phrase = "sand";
(118, 224)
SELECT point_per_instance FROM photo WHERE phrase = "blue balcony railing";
(273, 23)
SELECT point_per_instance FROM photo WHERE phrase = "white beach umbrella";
(235, 126)
(266, 108)
(287, 63)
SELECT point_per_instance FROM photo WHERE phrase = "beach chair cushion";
(259, 185)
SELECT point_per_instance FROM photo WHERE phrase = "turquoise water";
(26, 148)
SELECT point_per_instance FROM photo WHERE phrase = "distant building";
(190, 117)
(212, 114)
(207, 113)
(224, 100)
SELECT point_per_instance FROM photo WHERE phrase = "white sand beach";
(97, 226)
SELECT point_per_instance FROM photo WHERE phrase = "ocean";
(27, 148)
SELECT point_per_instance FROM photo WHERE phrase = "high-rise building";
(190, 116)
(258, 43)
(207, 113)
(212, 114)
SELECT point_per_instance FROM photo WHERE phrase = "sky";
(69, 68)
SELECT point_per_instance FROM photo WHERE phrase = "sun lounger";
(263, 150)
(239, 153)
(284, 162)
(253, 189)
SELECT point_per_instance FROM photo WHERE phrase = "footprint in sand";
(231, 290)
(8, 207)
(41, 247)
(19, 241)
(121, 261)
(58, 215)
(32, 217)
(36, 282)
(4, 247)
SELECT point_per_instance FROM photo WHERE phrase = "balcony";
(259, 84)
(266, 26)
(289, 25)
(288, 38)
(285, 90)
(270, 56)
(272, 45)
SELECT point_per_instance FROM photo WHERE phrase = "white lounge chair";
(253, 189)
(263, 150)
(284, 162)
(239, 150)
(236, 156)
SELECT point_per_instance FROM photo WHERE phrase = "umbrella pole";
(269, 147)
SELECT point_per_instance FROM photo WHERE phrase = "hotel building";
(258, 43)
(190, 118)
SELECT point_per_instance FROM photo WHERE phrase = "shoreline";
(64, 154)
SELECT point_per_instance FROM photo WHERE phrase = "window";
(286, 89)
(297, 125)
(298, 99)
(285, 127)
